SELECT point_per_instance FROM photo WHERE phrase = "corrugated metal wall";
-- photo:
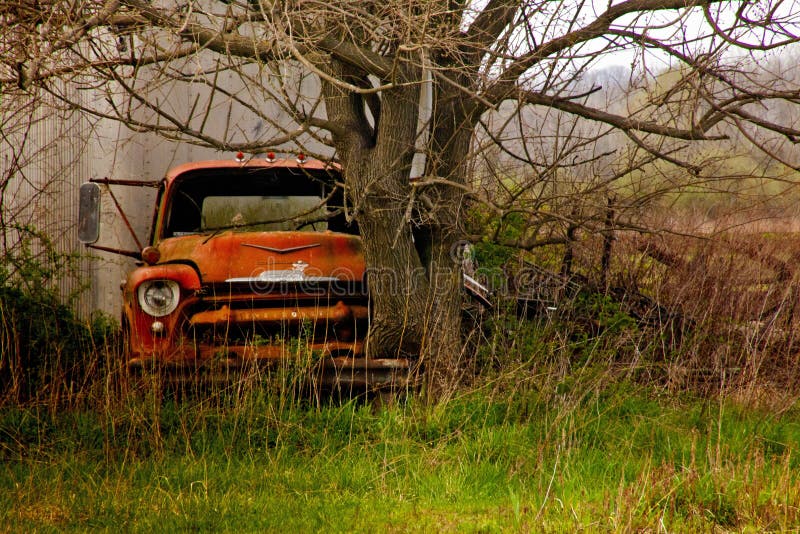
(45, 156)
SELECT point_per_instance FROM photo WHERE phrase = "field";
(586, 456)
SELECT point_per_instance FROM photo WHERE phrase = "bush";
(45, 349)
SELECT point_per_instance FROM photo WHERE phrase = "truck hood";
(265, 256)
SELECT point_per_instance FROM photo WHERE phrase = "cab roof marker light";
(301, 158)
(239, 157)
(270, 157)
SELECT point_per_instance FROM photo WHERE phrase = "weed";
(45, 349)
(621, 458)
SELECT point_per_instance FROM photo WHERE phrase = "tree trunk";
(415, 287)
(376, 159)
(396, 278)
(450, 140)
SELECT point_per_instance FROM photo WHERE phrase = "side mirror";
(89, 213)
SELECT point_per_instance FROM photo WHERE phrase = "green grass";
(619, 458)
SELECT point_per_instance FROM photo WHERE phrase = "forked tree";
(380, 81)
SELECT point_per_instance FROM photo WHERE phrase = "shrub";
(45, 349)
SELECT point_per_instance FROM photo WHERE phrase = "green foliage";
(43, 345)
(491, 256)
(40, 337)
(585, 330)
(34, 264)
(606, 315)
(615, 458)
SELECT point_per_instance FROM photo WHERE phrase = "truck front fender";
(183, 274)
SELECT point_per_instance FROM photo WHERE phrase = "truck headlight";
(159, 297)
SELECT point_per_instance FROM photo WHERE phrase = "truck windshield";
(264, 213)
(254, 200)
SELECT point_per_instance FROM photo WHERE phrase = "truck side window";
(184, 215)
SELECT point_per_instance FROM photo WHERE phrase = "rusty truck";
(242, 256)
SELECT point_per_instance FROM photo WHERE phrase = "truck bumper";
(342, 372)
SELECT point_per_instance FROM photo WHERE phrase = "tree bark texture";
(418, 311)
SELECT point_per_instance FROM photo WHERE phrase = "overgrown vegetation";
(523, 452)
(662, 399)
(682, 311)
(45, 350)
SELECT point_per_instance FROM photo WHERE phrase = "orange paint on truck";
(248, 256)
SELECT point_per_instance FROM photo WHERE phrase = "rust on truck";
(243, 256)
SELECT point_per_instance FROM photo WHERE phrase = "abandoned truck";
(242, 258)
